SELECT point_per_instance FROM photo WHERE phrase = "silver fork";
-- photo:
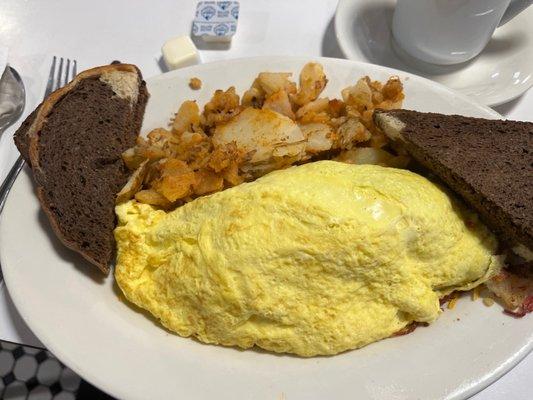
(56, 79)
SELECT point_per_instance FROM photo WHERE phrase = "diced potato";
(258, 132)
(319, 137)
(377, 97)
(188, 139)
(272, 82)
(290, 150)
(133, 185)
(231, 174)
(195, 83)
(315, 118)
(187, 118)
(336, 108)
(359, 96)
(158, 137)
(160, 143)
(352, 132)
(172, 166)
(207, 181)
(221, 158)
(253, 97)
(175, 187)
(132, 158)
(378, 140)
(153, 198)
(223, 106)
(152, 153)
(175, 181)
(279, 102)
(312, 82)
(191, 147)
(393, 90)
(317, 106)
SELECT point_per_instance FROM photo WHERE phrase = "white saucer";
(502, 72)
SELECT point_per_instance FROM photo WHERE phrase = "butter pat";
(216, 21)
(180, 52)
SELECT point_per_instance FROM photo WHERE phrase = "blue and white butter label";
(216, 20)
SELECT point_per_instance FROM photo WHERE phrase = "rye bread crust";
(73, 142)
(489, 163)
(21, 137)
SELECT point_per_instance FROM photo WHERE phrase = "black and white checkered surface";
(28, 373)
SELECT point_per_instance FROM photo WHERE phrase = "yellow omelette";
(311, 260)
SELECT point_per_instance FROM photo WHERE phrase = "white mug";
(450, 31)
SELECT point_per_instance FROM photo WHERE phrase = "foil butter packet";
(216, 21)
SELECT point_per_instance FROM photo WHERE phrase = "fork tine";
(57, 79)
(59, 72)
(67, 72)
(50, 83)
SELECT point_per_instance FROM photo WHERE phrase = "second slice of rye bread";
(489, 163)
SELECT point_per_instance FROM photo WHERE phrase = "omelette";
(311, 260)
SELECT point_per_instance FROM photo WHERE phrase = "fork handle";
(10, 179)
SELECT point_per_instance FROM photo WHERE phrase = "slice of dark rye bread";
(489, 163)
(73, 143)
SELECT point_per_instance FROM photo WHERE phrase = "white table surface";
(98, 31)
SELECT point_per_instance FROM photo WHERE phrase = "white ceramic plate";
(502, 72)
(79, 317)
